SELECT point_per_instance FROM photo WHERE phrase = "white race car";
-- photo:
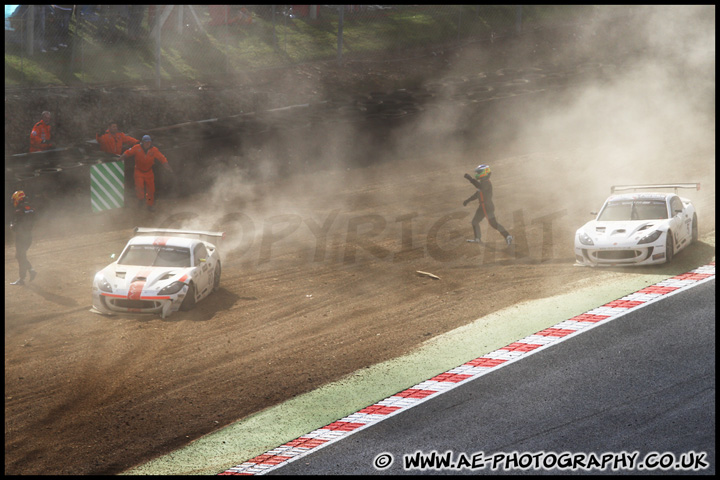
(638, 228)
(159, 271)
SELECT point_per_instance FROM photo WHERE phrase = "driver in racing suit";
(486, 208)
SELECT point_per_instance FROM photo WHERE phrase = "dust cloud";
(635, 104)
(644, 113)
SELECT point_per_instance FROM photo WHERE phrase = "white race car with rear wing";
(160, 271)
(638, 228)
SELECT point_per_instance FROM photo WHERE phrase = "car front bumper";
(113, 303)
(618, 256)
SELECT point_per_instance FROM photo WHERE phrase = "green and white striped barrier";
(107, 186)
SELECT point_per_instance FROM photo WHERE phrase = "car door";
(680, 225)
(687, 221)
(203, 269)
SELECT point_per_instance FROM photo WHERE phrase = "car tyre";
(189, 300)
(695, 234)
(669, 247)
(216, 277)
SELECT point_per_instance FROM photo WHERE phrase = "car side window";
(676, 206)
(200, 253)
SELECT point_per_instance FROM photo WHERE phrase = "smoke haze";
(627, 98)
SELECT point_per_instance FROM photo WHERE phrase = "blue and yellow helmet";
(482, 171)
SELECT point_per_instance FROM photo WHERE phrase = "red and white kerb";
(466, 372)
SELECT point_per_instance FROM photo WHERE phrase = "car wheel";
(189, 301)
(694, 228)
(669, 247)
(216, 277)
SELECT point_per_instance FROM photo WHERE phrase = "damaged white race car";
(638, 228)
(159, 271)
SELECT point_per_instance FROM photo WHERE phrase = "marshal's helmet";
(18, 197)
(482, 171)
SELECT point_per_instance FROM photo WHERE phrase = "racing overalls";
(486, 208)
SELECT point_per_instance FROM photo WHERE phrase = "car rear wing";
(170, 231)
(620, 188)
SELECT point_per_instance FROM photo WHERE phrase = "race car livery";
(160, 271)
(638, 228)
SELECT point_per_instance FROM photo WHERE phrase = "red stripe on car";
(113, 295)
(136, 289)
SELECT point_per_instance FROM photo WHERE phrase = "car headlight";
(103, 284)
(172, 289)
(650, 237)
(585, 238)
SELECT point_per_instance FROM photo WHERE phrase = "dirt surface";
(319, 280)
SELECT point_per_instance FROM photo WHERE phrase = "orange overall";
(144, 177)
(114, 143)
(40, 137)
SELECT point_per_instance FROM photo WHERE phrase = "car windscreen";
(633, 209)
(155, 256)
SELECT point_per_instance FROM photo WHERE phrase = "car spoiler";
(619, 188)
(170, 231)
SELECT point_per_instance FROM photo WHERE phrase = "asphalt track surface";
(260, 433)
(643, 383)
